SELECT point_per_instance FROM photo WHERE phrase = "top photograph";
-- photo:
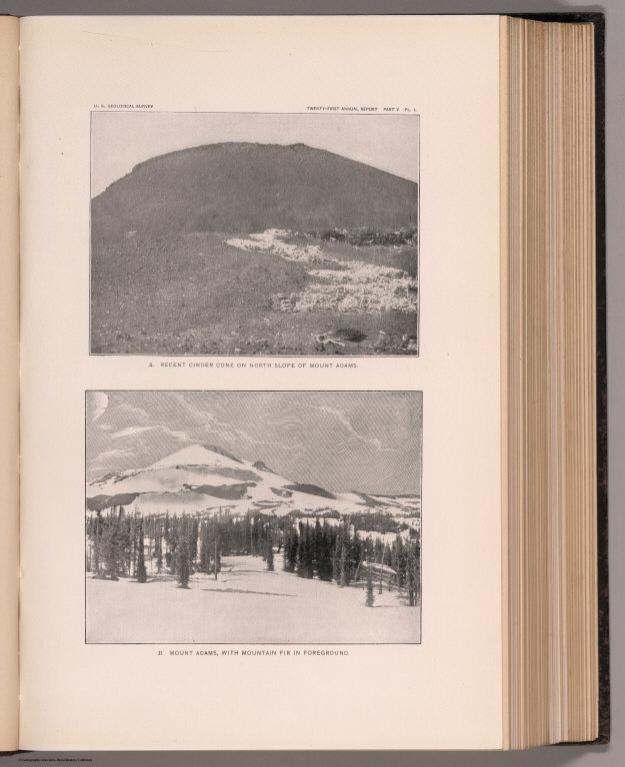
(254, 233)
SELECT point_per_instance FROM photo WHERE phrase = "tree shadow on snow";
(254, 572)
(249, 591)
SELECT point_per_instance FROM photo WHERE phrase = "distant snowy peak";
(200, 478)
(197, 455)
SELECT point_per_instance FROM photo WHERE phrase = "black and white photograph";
(249, 517)
(254, 233)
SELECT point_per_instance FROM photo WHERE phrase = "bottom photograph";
(249, 517)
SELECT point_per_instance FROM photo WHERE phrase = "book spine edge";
(9, 383)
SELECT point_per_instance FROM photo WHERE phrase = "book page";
(9, 382)
(261, 401)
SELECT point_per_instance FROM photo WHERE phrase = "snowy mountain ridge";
(200, 479)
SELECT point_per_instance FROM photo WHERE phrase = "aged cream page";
(281, 134)
(9, 382)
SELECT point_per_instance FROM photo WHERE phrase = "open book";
(308, 351)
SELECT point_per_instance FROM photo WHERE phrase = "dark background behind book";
(614, 10)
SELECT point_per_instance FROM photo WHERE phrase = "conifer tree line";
(120, 544)
(341, 554)
(142, 546)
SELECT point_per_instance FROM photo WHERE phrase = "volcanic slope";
(248, 187)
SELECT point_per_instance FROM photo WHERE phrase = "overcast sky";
(120, 140)
(367, 441)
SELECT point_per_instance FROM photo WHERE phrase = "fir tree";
(410, 585)
(417, 565)
(204, 547)
(401, 561)
(269, 555)
(287, 543)
(97, 544)
(370, 596)
(166, 528)
(295, 543)
(317, 547)
(111, 543)
(291, 547)
(412, 574)
(325, 549)
(309, 553)
(253, 536)
(305, 552)
(216, 550)
(194, 535)
(336, 558)
(183, 564)
(129, 544)
(142, 576)
(387, 556)
(174, 529)
(302, 545)
(355, 555)
(159, 552)
(343, 565)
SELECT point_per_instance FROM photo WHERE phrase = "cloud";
(129, 412)
(235, 436)
(181, 435)
(342, 418)
(130, 431)
(133, 431)
(209, 423)
(112, 453)
(97, 402)
(103, 460)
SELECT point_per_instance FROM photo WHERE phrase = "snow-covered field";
(247, 604)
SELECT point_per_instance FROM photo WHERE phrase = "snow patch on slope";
(347, 286)
(196, 455)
